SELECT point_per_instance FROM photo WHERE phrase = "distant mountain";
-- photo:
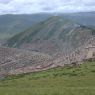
(18, 23)
(53, 35)
(12, 24)
(84, 18)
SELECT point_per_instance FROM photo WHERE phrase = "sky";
(37, 6)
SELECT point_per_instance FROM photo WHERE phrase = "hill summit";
(53, 35)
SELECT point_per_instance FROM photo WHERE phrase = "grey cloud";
(35, 6)
(5, 1)
(48, 8)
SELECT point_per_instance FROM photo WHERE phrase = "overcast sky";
(36, 6)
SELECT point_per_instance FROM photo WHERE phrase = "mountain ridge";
(56, 33)
(13, 24)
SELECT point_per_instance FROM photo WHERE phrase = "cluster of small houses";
(78, 56)
(43, 61)
(85, 54)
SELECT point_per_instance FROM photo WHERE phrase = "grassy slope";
(59, 81)
(55, 28)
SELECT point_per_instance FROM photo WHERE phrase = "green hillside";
(56, 32)
(59, 81)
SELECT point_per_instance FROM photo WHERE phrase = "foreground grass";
(60, 81)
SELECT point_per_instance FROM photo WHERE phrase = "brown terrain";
(52, 43)
(17, 61)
